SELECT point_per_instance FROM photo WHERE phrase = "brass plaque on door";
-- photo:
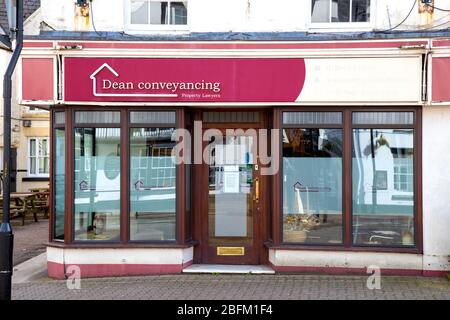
(230, 251)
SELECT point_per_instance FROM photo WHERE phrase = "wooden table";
(39, 190)
(23, 203)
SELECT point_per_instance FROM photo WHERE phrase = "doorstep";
(228, 269)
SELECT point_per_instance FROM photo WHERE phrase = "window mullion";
(330, 12)
(350, 11)
(149, 12)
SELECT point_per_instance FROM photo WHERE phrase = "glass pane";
(383, 118)
(97, 184)
(312, 117)
(158, 12)
(112, 117)
(230, 116)
(152, 184)
(32, 147)
(139, 12)
(153, 117)
(43, 147)
(178, 13)
(59, 182)
(320, 11)
(312, 186)
(188, 196)
(33, 165)
(60, 117)
(360, 10)
(340, 11)
(230, 204)
(44, 165)
(383, 187)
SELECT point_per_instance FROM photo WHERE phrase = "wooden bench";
(24, 204)
(37, 204)
(16, 209)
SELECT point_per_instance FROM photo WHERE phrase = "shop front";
(299, 156)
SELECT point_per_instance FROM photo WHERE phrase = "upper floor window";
(153, 14)
(38, 157)
(349, 11)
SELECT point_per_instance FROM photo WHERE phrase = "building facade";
(306, 135)
(30, 156)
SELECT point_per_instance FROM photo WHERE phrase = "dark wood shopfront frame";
(261, 232)
(271, 225)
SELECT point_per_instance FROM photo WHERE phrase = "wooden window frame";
(343, 26)
(148, 27)
(181, 240)
(36, 157)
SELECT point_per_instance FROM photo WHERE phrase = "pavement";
(29, 240)
(31, 283)
(235, 287)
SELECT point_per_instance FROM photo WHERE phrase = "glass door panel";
(231, 183)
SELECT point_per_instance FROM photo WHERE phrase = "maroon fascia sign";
(183, 79)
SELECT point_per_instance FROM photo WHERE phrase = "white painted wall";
(309, 258)
(165, 256)
(244, 15)
(436, 188)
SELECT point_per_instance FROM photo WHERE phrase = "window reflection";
(97, 184)
(152, 184)
(383, 187)
(59, 182)
(158, 12)
(230, 205)
(312, 186)
(327, 11)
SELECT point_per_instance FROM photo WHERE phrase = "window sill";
(35, 179)
(340, 27)
(78, 245)
(301, 247)
(157, 30)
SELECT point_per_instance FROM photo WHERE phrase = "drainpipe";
(6, 234)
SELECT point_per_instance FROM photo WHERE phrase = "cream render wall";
(40, 127)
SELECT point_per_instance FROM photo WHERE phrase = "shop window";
(383, 188)
(340, 11)
(314, 118)
(97, 117)
(38, 157)
(383, 118)
(152, 185)
(59, 118)
(97, 183)
(154, 117)
(312, 179)
(145, 14)
(230, 116)
(59, 181)
(382, 172)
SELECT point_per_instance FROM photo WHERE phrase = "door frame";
(200, 175)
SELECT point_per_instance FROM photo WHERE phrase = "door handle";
(256, 197)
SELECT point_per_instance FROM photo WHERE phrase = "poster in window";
(381, 182)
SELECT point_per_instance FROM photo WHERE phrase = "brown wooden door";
(232, 189)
